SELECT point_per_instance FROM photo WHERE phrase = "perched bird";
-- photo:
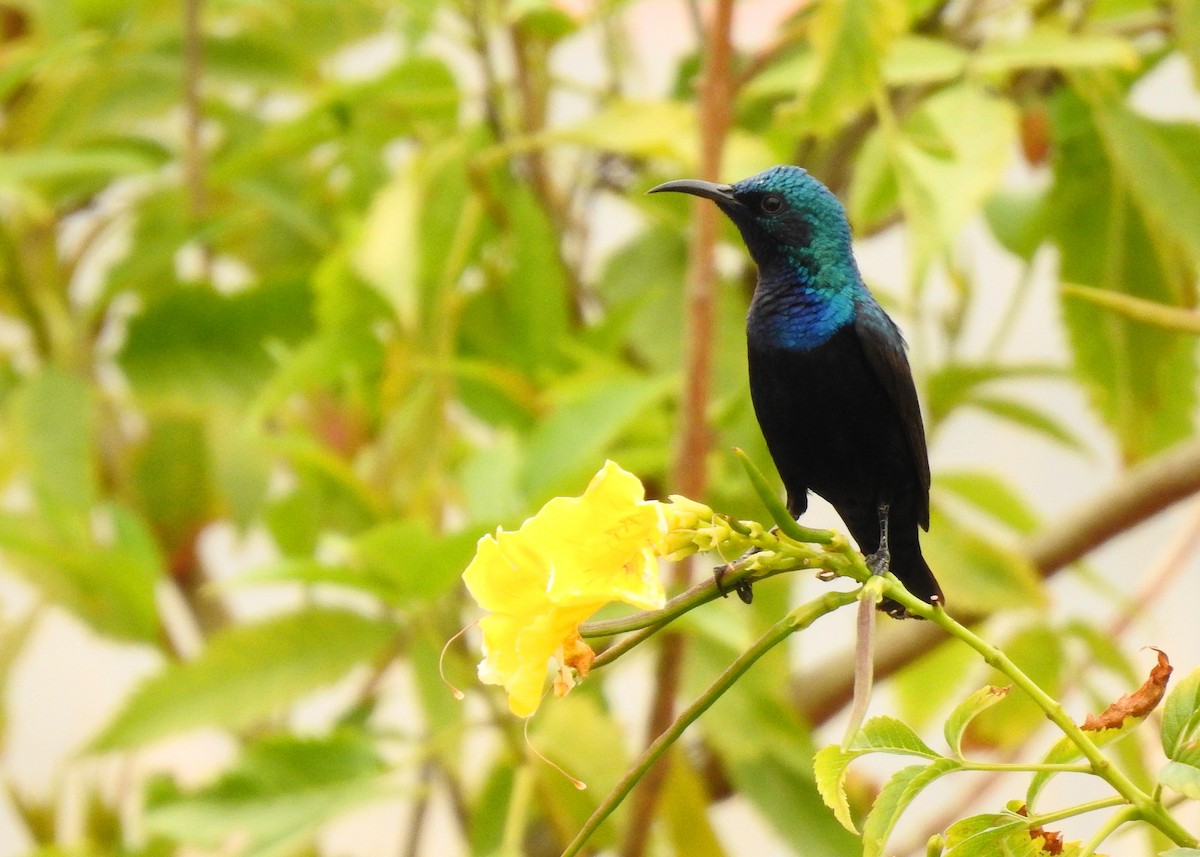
(830, 382)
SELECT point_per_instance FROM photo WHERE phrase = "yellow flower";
(565, 563)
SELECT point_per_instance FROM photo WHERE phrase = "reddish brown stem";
(689, 477)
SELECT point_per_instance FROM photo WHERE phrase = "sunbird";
(831, 385)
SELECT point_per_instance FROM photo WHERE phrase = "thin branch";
(1141, 493)
(193, 107)
(797, 620)
(689, 477)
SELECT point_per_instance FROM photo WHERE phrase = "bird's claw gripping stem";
(743, 588)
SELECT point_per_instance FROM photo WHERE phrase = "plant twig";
(1139, 494)
(1146, 807)
(689, 475)
(797, 620)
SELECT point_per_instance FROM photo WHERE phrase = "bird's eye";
(772, 203)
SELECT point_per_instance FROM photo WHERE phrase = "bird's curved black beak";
(718, 193)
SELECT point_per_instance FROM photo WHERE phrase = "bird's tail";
(915, 574)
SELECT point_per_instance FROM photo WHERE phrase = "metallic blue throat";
(798, 315)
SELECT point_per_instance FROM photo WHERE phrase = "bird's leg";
(743, 589)
(881, 561)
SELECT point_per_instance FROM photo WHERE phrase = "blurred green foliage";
(336, 274)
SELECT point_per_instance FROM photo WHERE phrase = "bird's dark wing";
(883, 345)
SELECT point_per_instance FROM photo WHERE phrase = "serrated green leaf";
(895, 797)
(1139, 378)
(281, 790)
(1065, 750)
(888, 735)
(1181, 714)
(1155, 161)
(107, 579)
(829, 767)
(1182, 778)
(989, 835)
(965, 712)
(247, 673)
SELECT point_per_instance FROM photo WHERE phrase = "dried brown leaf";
(1137, 704)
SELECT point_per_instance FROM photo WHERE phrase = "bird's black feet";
(742, 587)
(879, 562)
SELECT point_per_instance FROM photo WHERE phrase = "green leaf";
(403, 563)
(1155, 161)
(1053, 47)
(106, 578)
(991, 495)
(55, 418)
(920, 59)
(247, 673)
(953, 384)
(1180, 852)
(195, 342)
(587, 417)
(949, 157)
(850, 40)
(1181, 714)
(1065, 750)
(1018, 220)
(172, 478)
(895, 797)
(1182, 778)
(273, 801)
(830, 766)
(1023, 415)
(888, 735)
(966, 711)
(1186, 15)
(1139, 378)
(989, 835)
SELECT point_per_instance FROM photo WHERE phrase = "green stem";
(1078, 809)
(1147, 808)
(1028, 768)
(796, 620)
(779, 512)
(1108, 828)
(701, 593)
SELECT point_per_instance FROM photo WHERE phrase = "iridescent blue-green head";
(787, 218)
(797, 232)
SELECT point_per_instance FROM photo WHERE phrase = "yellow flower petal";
(542, 581)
